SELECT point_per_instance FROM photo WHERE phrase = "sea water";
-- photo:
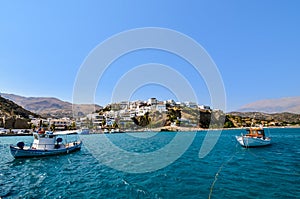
(228, 171)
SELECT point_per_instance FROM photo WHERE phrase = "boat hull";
(252, 141)
(28, 153)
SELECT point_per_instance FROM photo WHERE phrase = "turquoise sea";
(228, 171)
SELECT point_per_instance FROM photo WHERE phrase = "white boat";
(84, 131)
(45, 144)
(68, 132)
(254, 138)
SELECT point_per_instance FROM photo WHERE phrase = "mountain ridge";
(50, 106)
(280, 105)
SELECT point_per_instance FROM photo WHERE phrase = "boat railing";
(56, 146)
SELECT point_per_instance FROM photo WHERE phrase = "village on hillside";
(130, 116)
(152, 114)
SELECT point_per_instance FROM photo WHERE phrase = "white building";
(179, 104)
(142, 111)
(152, 101)
(161, 107)
(124, 105)
(170, 101)
(125, 115)
(60, 123)
(96, 119)
(110, 121)
(191, 104)
(203, 107)
(36, 121)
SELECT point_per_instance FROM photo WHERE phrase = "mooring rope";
(219, 171)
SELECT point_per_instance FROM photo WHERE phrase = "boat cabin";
(256, 132)
(45, 141)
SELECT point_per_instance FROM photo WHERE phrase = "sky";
(255, 46)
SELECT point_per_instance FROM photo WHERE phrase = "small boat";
(84, 131)
(255, 137)
(45, 144)
(67, 132)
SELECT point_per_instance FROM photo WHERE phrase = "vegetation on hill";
(182, 117)
(9, 108)
(143, 120)
(13, 115)
(189, 117)
(246, 119)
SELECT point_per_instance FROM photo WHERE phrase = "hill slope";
(246, 118)
(289, 104)
(50, 106)
(13, 115)
(9, 108)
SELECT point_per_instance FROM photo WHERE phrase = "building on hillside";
(179, 104)
(132, 113)
(191, 104)
(78, 124)
(110, 121)
(96, 119)
(142, 110)
(170, 102)
(111, 114)
(152, 101)
(203, 107)
(124, 105)
(161, 107)
(125, 115)
(134, 105)
(37, 121)
(60, 124)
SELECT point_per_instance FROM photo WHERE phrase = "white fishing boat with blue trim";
(255, 137)
(46, 144)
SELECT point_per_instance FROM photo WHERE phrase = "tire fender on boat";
(21, 145)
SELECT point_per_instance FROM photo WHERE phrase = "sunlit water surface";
(228, 171)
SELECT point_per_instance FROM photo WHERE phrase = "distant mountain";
(257, 117)
(289, 104)
(9, 108)
(50, 106)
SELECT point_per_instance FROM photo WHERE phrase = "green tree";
(52, 127)
(73, 125)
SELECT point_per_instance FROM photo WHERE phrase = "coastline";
(20, 134)
(169, 129)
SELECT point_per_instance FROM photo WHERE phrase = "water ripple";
(229, 171)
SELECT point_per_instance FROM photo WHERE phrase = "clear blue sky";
(255, 44)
